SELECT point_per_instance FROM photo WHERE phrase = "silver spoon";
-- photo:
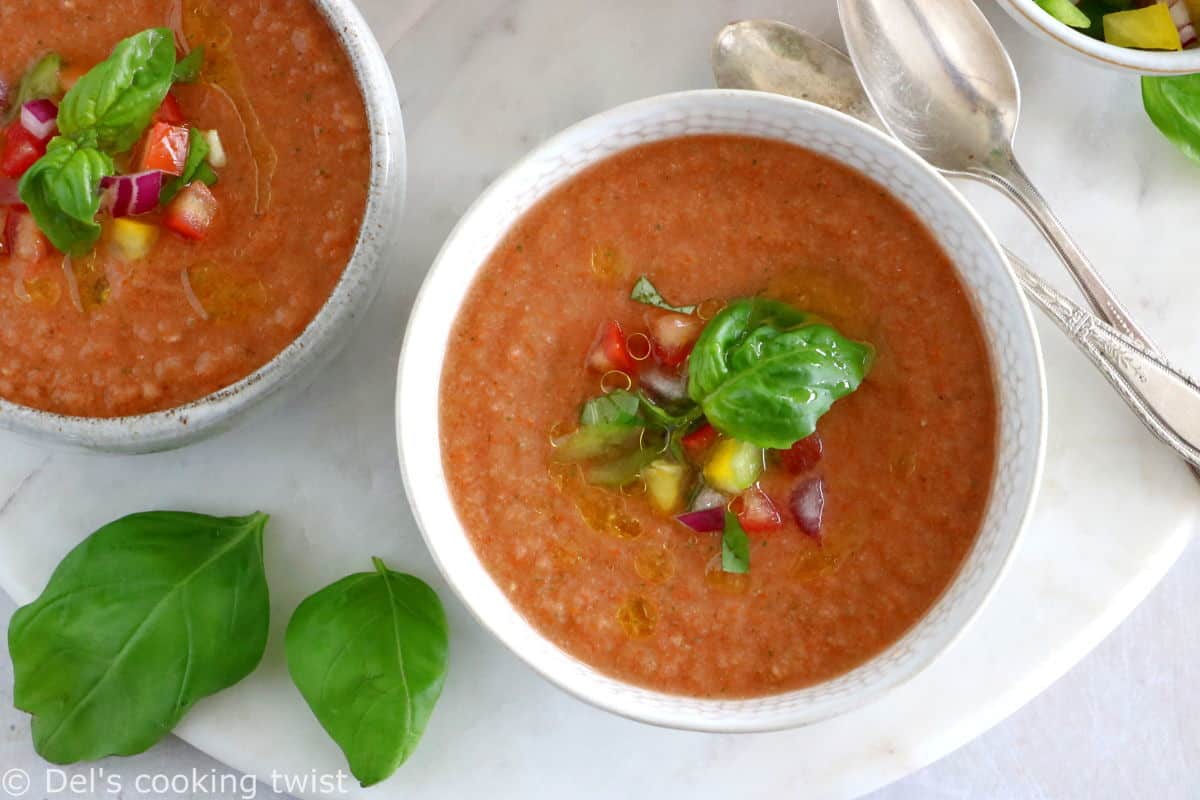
(774, 57)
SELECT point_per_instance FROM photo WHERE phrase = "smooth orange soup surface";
(139, 344)
(907, 459)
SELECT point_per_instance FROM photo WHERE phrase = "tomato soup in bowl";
(194, 199)
(722, 411)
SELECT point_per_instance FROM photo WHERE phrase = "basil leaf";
(62, 190)
(187, 70)
(369, 656)
(145, 617)
(735, 545)
(620, 407)
(1066, 12)
(764, 373)
(197, 152)
(644, 292)
(41, 80)
(116, 99)
(1173, 103)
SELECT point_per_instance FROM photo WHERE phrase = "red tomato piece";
(22, 237)
(696, 443)
(192, 211)
(803, 455)
(170, 111)
(165, 148)
(610, 351)
(673, 336)
(756, 511)
(21, 149)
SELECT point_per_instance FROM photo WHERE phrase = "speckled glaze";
(1002, 309)
(328, 331)
(1144, 62)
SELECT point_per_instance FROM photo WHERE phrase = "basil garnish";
(145, 617)
(188, 68)
(1173, 104)
(369, 655)
(644, 292)
(735, 545)
(115, 100)
(764, 372)
(620, 407)
(62, 190)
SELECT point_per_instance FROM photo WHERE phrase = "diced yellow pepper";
(733, 466)
(665, 483)
(1149, 28)
(133, 239)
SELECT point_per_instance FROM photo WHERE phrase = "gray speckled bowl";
(323, 337)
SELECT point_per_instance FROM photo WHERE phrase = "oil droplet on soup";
(607, 263)
(43, 291)
(654, 564)
(603, 511)
(719, 580)
(225, 295)
(637, 617)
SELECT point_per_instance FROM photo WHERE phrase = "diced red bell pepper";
(192, 212)
(697, 443)
(673, 336)
(610, 351)
(165, 148)
(170, 111)
(756, 511)
(803, 455)
(22, 238)
(21, 150)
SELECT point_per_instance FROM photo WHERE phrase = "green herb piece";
(149, 614)
(1173, 104)
(597, 441)
(764, 373)
(187, 69)
(368, 654)
(620, 407)
(205, 174)
(197, 151)
(62, 190)
(1066, 12)
(114, 102)
(41, 80)
(735, 545)
(644, 292)
(665, 417)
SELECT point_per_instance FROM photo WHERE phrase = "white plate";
(481, 84)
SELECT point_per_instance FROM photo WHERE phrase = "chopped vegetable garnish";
(21, 151)
(132, 240)
(644, 292)
(673, 336)
(808, 505)
(130, 195)
(1065, 11)
(803, 455)
(733, 466)
(735, 546)
(40, 118)
(170, 111)
(609, 352)
(1149, 28)
(708, 520)
(698, 442)
(165, 149)
(665, 484)
(23, 240)
(216, 150)
(756, 511)
(192, 212)
(40, 81)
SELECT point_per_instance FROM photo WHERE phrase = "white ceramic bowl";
(1005, 316)
(327, 332)
(1146, 62)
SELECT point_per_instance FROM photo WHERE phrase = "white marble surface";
(482, 81)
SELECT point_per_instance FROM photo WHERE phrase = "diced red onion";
(662, 384)
(808, 505)
(129, 195)
(1180, 15)
(40, 118)
(8, 192)
(709, 520)
(707, 498)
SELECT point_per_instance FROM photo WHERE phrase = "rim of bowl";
(653, 714)
(1146, 62)
(321, 338)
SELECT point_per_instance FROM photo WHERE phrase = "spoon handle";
(1008, 176)
(1166, 400)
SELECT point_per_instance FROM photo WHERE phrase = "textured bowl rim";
(412, 463)
(1143, 62)
(322, 337)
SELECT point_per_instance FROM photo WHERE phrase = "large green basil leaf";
(764, 372)
(145, 617)
(1173, 103)
(62, 190)
(42, 80)
(369, 655)
(116, 99)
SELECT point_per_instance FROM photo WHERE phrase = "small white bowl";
(1144, 62)
(986, 274)
(328, 331)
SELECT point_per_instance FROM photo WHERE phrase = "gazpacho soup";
(181, 187)
(719, 418)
